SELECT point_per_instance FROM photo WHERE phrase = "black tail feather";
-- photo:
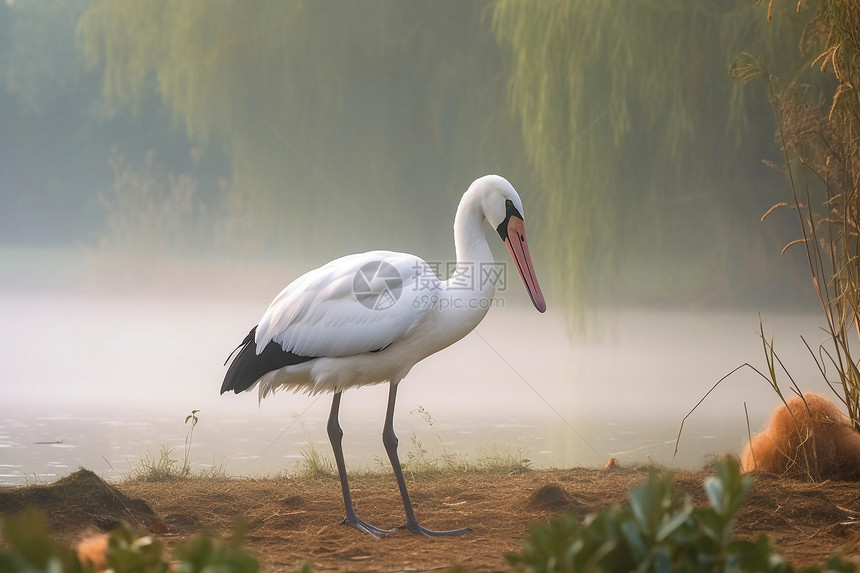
(248, 339)
(248, 366)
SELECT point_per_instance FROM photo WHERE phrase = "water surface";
(103, 378)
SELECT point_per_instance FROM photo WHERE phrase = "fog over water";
(103, 378)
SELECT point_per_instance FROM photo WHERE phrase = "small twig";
(109, 465)
(708, 393)
(749, 435)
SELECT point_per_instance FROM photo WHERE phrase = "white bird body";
(318, 315)
(368, 318)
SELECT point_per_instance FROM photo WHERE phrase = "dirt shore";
(291, 520)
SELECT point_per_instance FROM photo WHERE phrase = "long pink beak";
(519, 249)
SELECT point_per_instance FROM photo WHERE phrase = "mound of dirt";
(77, 502)
(553, 497)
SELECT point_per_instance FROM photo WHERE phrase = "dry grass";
(818, 132)
(290, 520)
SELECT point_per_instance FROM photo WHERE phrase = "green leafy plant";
(133, 551)
(658, 530)
(203, 553)
(29, 548)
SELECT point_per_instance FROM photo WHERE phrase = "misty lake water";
(102, 378)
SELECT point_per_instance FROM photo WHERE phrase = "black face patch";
(511, 211)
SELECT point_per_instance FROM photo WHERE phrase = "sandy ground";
(291, 520)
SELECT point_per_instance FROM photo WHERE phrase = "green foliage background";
(331, 111)
(350, 126)
(642, 146)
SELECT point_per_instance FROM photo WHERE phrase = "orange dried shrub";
(814, 439)
(92, 551)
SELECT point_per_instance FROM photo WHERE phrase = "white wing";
(354, 304)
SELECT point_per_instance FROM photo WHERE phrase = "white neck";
(471, 248)
(467, 293)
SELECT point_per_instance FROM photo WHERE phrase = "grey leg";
(390, 442)
(335, 436)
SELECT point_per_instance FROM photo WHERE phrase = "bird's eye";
(509, 203)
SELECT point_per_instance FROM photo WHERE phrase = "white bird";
(369, 318)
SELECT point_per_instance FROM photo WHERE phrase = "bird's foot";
(413, 527)
(365, 527)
